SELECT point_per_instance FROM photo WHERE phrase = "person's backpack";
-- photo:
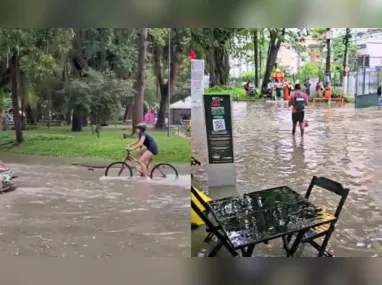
(299, 101)
(379, 90)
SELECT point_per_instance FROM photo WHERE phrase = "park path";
(344, 144)
(61, 210)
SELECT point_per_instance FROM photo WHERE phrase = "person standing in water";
(298, 100)
(286, 90)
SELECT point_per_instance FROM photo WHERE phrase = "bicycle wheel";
(119, 168)
(164, 171)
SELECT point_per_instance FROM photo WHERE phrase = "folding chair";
(214, 230)
(206, 212)
(325, 231)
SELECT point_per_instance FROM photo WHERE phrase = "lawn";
(237, 92)
(61, 142)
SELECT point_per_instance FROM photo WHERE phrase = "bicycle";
(156, 170)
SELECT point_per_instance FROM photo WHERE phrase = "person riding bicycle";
(147, 147)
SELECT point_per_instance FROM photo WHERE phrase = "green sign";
(219, 128)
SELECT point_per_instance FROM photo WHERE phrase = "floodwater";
(343, 144)
(60, 210)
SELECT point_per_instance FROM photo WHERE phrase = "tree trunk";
(23, 94)
(162, 107)
(15, 99)
(217, 61)
(273, 49)
(256, 54)
(129, 109)
(140, 81)
(85, 120)
(29, 114)
(165, 99)
(77, 120)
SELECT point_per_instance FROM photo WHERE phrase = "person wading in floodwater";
(298, 100)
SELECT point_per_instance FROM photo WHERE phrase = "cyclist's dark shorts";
(297, 117)
(153, 150)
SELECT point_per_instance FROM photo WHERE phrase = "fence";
(367, 82)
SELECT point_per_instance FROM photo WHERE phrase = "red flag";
(193, 54)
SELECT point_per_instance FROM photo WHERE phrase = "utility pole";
(260, 55)
(256, 54)
(169, 82)
(328, 52)
(346, 61)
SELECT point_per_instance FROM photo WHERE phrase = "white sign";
(197, 64)
(197, 79)
(196, 103)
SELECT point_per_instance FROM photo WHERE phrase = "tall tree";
(28, 50)
(291, 37)
(139, 85)
(217, 44)
(179, 50)
(256, 54)
(15, 97)
(276, 37)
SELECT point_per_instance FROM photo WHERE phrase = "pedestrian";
(319, 87)
(307, 86)
(379, 93)
(278, 88)
(328, 91)
(298, 100)
(286, 90)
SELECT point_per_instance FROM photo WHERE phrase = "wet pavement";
(342, 144)
(60, 210)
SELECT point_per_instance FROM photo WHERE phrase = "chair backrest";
(202, 215)
(332, 186)
(199, 198)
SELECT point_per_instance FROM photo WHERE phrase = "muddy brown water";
(343, 144)
(59, 210)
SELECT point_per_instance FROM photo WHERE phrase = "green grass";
(61, 142)
(238, 93)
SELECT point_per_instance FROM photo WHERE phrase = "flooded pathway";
(60, 210)
(343, 144)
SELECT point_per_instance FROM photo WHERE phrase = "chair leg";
(208, 237)
(286, 244)
(324, 244)
(215, 249)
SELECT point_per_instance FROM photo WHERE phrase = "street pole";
(327, 69)
(169, 81)
(346, 61)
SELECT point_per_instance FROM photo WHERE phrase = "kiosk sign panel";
(219, 128)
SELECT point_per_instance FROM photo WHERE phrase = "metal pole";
(169, 83)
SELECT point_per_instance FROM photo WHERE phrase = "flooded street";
(342, 144)
(60, 210)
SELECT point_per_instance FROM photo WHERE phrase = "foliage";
(100, 94)
(5, 101)
(309, 70)
(247, 76)
(338, 54)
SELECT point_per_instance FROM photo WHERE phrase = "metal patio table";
(261, 216)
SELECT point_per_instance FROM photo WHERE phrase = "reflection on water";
(342, 144)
